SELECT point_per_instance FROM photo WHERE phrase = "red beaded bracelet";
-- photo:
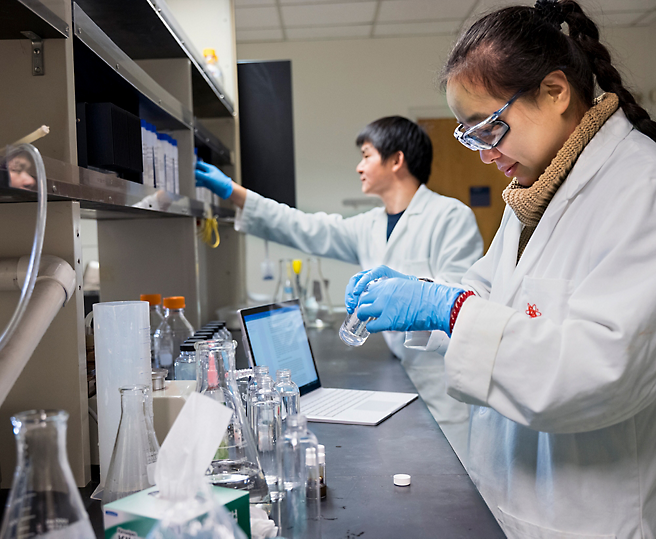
(456, 308)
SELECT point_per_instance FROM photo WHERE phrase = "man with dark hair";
(418, 232)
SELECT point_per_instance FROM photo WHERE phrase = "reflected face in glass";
(375, 175)
(19, 168)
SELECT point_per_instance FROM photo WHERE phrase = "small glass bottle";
(172, 332)
(185, 364)
(300, 508)
(258, 372)
(44, 501)
(267, 428)
(132, 468)
(212, 65)
(289, 393)
(322, 471)
(354, 331)
(156, 319)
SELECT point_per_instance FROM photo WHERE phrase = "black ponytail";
(515, 48)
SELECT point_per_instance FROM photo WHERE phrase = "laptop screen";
(277, 339)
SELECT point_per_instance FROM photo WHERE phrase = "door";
(459, 172)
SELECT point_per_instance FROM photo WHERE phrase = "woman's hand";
(407, 305)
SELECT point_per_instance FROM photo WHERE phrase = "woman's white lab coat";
(560, 355)
(436, 237)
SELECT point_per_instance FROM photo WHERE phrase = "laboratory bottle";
(318, 308)
(300, 509)
(156, 319)
(132, 468)
(44, 501)
(289, 393)
(172, 332)
(267, 429)
(258, 372)
(236, 463)
(212, 65)
(185, 363)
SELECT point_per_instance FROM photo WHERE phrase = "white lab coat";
(436, 237)
(560, 355)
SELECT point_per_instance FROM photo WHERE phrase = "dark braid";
(514, 48)
(586, 35)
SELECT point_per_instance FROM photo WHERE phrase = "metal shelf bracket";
(38, 67)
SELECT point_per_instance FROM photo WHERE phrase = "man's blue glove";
(359, 282)
(408, 305)
(213, 179)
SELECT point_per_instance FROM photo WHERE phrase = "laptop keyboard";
(333, 403)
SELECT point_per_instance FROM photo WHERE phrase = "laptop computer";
(274, 336)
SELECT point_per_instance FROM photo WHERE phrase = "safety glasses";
(486, 134)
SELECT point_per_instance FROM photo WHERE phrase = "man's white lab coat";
(558, 354)
(436, 237)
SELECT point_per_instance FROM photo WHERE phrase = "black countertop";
(360, 461)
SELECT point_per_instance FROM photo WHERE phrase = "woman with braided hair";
(553, 332)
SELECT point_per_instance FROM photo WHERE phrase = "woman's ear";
(556, 91)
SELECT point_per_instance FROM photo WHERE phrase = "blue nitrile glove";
(408, 305)
(213, 179)
(359, 282)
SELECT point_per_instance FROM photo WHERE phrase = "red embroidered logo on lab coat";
(533, 311)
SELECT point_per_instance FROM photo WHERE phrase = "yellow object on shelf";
(208, 227)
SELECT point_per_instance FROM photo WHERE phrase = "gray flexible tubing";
(37, 245)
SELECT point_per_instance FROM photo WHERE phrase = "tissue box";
(134, 516)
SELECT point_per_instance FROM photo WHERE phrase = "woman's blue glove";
(408, 305)
(359, 282)
(213, 179)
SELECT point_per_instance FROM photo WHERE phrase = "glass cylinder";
(300, 504)
(44, 500)
(318, 308)
(289, 394)
(266, 424)
(354, 331)
(132, 468)
(236, 463)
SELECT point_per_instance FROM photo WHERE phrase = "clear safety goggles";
(486, 134)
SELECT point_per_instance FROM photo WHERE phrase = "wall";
(340, 86)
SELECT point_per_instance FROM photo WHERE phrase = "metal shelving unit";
(19, 16)
(146, 29)
(205, 138)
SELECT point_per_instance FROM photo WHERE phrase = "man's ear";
(397, 160)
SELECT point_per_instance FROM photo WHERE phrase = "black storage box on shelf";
(113, 139)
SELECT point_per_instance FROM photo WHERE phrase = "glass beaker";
(236, 463)
(132, 468)
(318, 308)
(354, 331)
(44, 501)
(300, 504)
(266, 424)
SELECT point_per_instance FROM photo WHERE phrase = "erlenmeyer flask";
(44, 501)
(132, 468)
(318, 309)
(235, 464)
(287, 288)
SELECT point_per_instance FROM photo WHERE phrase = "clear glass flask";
(300, 504)
(266, 423)
(236, 463)
(44, 501)
(132, 468)
(286, 288)
(289, 393)
(318, 308)
(172, 332)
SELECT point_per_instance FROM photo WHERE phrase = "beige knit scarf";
(529, 203)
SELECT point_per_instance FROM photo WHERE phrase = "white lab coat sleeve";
(319, 233)
(456, 245)
(593, 368)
